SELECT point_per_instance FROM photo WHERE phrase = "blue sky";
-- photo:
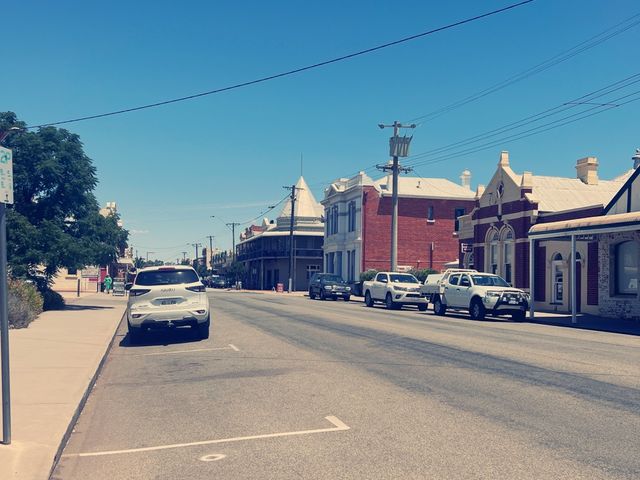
(171, 168)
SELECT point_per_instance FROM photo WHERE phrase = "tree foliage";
(55, 220)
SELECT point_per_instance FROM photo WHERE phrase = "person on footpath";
(108, 281)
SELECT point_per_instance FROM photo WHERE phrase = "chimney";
(636, 159)
(587, 169)
(504, 159)
(465, 179)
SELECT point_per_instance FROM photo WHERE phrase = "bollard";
(78, 292)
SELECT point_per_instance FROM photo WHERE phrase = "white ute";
(395, 290)
(169, 296)
(480, 294)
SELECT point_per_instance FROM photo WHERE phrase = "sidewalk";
(53, 363)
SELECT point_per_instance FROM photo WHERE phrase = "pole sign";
(6, 176)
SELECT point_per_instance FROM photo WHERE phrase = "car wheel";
(368, 301)
(135, 334)
(390, 304)
(312, 295)
(347, 298)
(520, 316)
(422, 307)
(334, 297)
(438, 307)
(476, 309)
(203, 329)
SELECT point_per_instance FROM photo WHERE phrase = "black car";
(218, 282)
(328, 285)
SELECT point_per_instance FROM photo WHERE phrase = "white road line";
(214, 457)
(233, 347)
(338, 426)
(180, 351)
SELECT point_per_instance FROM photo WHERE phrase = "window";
(72, 271)
(507, 254)
(626, 268)
(430, 214)
(327, 221)
(338, 269)
(557, 277)
(352, 266)
(403, 278)
(453, 279)
(382, 277)
(334, 219)
(352, 216)
(312, 270)
(464, 281)
(493, 251)
(459, 212)
(170, 276)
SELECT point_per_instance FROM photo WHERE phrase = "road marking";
(183, 351)
(213, 457)
(233, 347)
(338, 426)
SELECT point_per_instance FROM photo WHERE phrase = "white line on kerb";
(338, 426)
(233, 347)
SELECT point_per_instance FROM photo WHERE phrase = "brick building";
(358, 223)
(495, 235)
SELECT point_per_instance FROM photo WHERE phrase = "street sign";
(6, 176)
(466, 247)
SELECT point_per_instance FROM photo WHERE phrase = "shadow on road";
(86, 307)
(162, 337)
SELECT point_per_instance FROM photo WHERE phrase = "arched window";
(508, 237)
(491, 249)
(626, 268)
(557, 278)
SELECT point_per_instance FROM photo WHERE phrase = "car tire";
(368, 301)
(390, 304)
(422, 307)
(346, 298)
(438, 307)
(203, 329)
(477, 310)
(312, 295)
(135, 333)
(519, 316)
(334, 297)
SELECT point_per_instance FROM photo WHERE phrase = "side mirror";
(128, 286)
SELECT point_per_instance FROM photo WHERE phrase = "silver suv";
(167, 296)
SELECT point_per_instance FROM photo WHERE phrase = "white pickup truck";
(480, 294)
(395, 290)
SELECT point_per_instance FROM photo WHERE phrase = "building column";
(573, 280)
(532, 277)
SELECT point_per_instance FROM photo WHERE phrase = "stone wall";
(611, 305)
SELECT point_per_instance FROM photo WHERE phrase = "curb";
(83, 401)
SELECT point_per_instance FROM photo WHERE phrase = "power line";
(289, 72)
(547, 64)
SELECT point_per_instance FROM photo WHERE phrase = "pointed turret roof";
(306, 206)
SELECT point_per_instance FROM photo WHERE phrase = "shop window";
(557, 277)
(626, 268)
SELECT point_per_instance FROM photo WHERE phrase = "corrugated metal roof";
(426, 187)
(560, 193)
(585, 225)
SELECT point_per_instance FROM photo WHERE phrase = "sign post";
(6, 196)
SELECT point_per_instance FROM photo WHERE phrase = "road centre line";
(338, 426)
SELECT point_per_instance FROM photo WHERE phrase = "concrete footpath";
(53, 363)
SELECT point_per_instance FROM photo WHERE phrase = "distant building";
(358, 223)
(264, 249)
(495, 235)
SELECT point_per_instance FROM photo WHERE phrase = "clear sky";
(171, 168)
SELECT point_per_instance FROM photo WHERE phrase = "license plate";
(168, 302)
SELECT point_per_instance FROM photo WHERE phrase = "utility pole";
(233, 226)
(184, 256)
(211, 237)
(196, 245)
(292, 197)
(398, 147)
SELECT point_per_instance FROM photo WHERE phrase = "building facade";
(264, 249)
(494, 237)
(357, 215)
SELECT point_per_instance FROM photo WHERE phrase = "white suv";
(167, 296)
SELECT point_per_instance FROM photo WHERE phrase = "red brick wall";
(592, 273)
(415, 234)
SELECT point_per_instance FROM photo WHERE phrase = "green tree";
(55, 219)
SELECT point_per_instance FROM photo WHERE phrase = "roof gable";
(627, 199)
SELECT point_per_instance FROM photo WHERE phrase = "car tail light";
(136, 292)
(197, 288)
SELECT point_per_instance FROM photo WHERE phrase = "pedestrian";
(107, 283)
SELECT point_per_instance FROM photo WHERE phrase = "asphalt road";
(287, 387)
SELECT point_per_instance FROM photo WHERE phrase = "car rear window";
(166, 277)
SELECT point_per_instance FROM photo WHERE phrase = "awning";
(621, 222)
